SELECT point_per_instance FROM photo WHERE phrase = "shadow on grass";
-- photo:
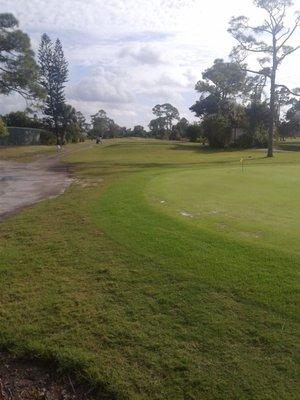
(199, 148)
(289, 146)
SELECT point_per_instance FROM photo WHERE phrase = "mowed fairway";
(165, 272)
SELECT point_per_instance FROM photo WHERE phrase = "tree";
(18, 69)
(22, 119)
(291, 125)
(182, 126)
(270, 40)
(84, 126)
(54, 75)
(168, 113)
(100, 124)
(217, 130)
(158, 128)
(3, 129)
(139, 131)
(194, 132)
(220, 86)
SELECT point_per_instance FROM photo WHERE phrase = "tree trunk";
(56, 130)
(272, 101)
(272, 118)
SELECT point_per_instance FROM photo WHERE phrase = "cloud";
(127, 55)
(144, 55)
(101, 86)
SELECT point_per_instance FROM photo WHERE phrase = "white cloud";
(144, 55)
(100, 86)
(127, 55)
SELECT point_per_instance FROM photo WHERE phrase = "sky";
(126, 56)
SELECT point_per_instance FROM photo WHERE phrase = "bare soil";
(24, 184)
(25, 380)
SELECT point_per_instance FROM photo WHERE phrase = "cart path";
(24, 184)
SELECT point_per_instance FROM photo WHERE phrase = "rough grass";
(143, 302)
(24, 153)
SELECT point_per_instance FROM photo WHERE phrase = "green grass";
(24, 153)
(32, 153)
(146, 303)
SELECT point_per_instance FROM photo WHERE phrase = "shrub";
(244, 141)
(47, 138)
(3, 129)
(217, 130)
(260, 138)
(193, 132)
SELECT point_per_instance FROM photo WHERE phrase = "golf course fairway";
(166, 271)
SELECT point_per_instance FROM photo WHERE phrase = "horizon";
(127, 56)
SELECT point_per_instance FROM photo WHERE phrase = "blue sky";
(125, 56)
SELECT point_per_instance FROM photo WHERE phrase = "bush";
(193, 132)
(3, 129)
(217, 130)
(47, 138)
(244, 141)
(260, 138)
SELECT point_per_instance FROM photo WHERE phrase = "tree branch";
(290, 34)
(287, 54)
(289, 90)
(256, 72)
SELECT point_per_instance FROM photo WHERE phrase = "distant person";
(58, 148)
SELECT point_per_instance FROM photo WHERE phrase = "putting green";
(260, 203)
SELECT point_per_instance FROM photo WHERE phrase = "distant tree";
(220, 86)
(217, 130)
(54, 75)
(100, 124)
(181, 127)
(18, 69)
(22, 119)
(194, 132)
(81, 120)
(3, 128)
(168, 113)
(271, 41)
(158, 128)
(139, 131)
(291, 125)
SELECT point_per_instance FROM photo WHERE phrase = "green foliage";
(18, 69)
(103, 126)
(47, 138)
(138, 131)
(217, 130)
(3, 129)
(244, 141)
(271, 41)
(194, 132)
(161, 127)
(221, 83)
(23, 120)
(158, 128)
(53, 76)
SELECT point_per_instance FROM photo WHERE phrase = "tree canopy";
(18, 69)
(53, 76)
(270, 40)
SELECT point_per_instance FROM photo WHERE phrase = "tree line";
(237, 105)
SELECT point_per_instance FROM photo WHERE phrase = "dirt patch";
(23, 380)
(23, 184)
(186, 214)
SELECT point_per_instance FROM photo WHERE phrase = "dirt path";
(23, 184)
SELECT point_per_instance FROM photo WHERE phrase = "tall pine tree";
(54, 75)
